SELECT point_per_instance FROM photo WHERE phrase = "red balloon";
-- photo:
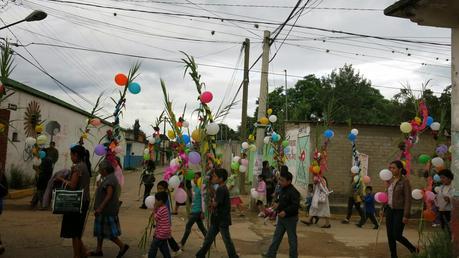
(121, 79)
(206, 97)
(429, 215)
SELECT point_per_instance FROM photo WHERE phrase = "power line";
(249, 21)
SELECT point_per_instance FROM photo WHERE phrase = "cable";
(248, 21)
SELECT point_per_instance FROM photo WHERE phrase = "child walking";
(370, 210)
(288, 204)
(106, 208)
(163, 227)
(196, 215)
(220, 217)
(233, 187)
(261, 197)
(163, 186)
(148, 180)
(444, 198)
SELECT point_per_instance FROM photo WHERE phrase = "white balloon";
(245, 145)
(355, 170)
(36, 161)
(385, 175)
(267, 140)
(30, 141)
(150, 202)
(254, 193)
(146, 151)
(42, 139)
(152, 140)
(174, 182)
(438, 162)
(272, 118)
(212, 129)
(242, 169)
(174, 162)
(355, 131)
(437, 189)
(417, 194)
(186, 124)
(435, 126)
(236, 159)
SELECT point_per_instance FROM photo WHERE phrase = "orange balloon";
(429, 215)
(121, 79)
(316, 169)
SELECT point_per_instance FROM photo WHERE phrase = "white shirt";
(445, 191)
(390, 192)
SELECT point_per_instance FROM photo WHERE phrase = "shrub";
(18, 179)
(437, 245)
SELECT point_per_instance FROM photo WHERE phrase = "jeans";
(173, 244)
(445, 218)
(210, 238)
(372, 217)
(193, 218)
(289, 225)
(395, 226)
(350, 204)
(160, 244)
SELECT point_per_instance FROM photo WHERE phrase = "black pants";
(160, 244)
(445, 218)
(173, 244)
(372, 217)
(350, 205)
(210, 238)
(193, 218)
(146, 193)
(395, 226)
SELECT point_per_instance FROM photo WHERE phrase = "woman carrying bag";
(73, 223)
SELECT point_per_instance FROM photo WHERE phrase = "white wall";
(137, 148)
(71, 123)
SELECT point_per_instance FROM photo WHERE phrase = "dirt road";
(30, 233)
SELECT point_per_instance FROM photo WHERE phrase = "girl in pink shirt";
(261, 195)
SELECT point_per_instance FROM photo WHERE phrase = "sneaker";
(345, 221)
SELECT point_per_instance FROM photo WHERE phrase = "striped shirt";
(163, 224)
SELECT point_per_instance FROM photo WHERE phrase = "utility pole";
(245, 93)
(286, 98)
(262, 103)
(455, 134)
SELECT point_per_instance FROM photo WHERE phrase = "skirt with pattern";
(107, 227)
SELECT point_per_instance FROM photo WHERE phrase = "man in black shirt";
(220, 219)
(287, 206)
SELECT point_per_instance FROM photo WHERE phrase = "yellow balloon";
(199, 182)
(171, 134)
(196, 135)
(39, 128)
(269, 111)
(264, 121)
(251, 138)
(406, 127)
(417, 120)
(84, 136)
(316, 169)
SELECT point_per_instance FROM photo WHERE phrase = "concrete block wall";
(379, 142)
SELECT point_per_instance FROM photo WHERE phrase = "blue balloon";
(42, 154)
(436, 178)
(275, 137)
(429, 121)
(186, 138)
(351, 137)
(286, 150)
(329, 134)
(134, 88)
(271, 151)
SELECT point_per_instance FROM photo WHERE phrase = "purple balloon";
(442, 149)
(100, 150)
(194, 157)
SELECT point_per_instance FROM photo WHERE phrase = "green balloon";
(285, 143)
(424, 159)
(189, 175)
(235, 166)
(146, 156)
(187, 150)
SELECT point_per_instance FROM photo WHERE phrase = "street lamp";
(34, 16)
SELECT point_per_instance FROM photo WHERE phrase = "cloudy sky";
(388, 64)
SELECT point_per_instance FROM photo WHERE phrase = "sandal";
(96, 253)
(123, 251)
(326, 226)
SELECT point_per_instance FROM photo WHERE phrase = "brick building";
(379, 142)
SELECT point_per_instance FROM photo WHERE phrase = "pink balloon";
(244, 162)
(206, 97)
(381, 197)
(429, 196)
(180, 195)
(366, 179)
